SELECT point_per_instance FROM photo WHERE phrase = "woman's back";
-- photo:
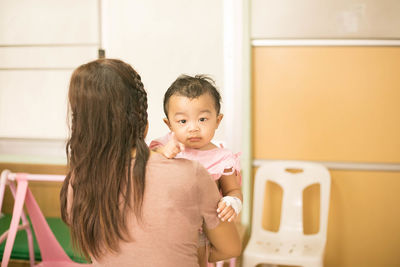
(172, 198)
(179, 195)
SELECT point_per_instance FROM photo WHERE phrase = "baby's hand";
(172, 148)
(229, 208)
(225, 212)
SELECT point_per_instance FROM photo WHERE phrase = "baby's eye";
(182, 121)
(203, 119)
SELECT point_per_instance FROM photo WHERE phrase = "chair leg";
(30, 246)
(232, 263)
(249, 261)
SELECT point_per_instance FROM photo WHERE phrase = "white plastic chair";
(288, 246)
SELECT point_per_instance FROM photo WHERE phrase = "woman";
(126, 206)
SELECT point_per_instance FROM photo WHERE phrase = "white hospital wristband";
(235, 202)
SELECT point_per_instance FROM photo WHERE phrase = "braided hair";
(108, 108)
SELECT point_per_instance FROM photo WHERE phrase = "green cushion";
(20, 248)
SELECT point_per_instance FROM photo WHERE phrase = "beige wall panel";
(327, 103)
(325, 19)
(363, 218)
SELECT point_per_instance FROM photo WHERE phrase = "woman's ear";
(166, 121)
(219, 118)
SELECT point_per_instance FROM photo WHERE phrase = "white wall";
(163, 39)
(42, 41)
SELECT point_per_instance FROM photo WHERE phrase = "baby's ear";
(166, 121)
(219, 118)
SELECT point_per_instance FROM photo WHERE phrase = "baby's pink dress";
(217, 161)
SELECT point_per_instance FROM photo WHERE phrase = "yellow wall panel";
(364, 218)
(327, 103)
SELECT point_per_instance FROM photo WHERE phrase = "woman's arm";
(224, 242)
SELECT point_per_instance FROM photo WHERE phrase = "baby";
(192, 109)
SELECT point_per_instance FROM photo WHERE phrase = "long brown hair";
(108, 109)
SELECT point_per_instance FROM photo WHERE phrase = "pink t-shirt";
(216, 160)
(179, 196)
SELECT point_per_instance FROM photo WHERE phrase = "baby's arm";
(232, 200)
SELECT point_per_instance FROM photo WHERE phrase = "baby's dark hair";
(193, 87)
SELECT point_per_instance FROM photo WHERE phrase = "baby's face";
(193, 121)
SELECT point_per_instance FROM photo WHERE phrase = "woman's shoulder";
(158, 158)
(176, 166)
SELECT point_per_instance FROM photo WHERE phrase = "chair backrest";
(293, 184)
(50, 248)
